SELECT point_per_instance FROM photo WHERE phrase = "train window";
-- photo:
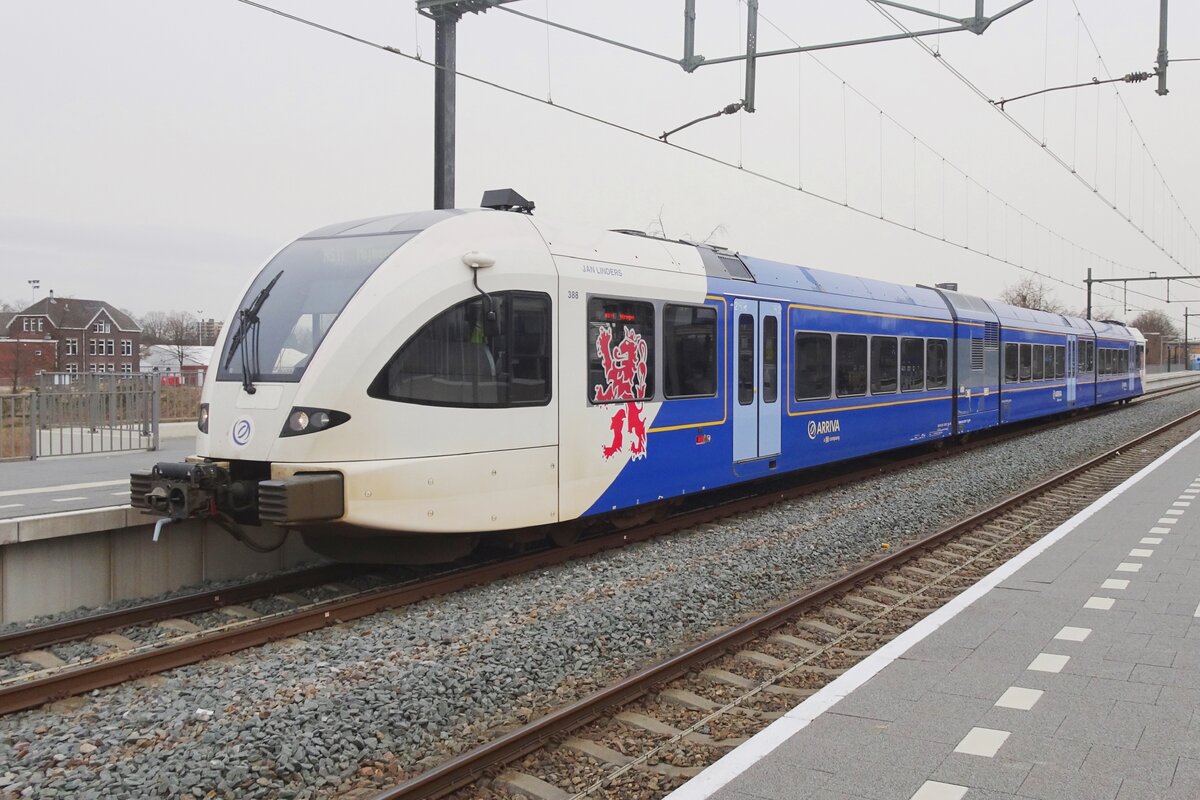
(912, 365)
(884, 363)
(620, 346)
(1049, 368)
(1011, 362)
(1060, 361)
(851, 366)
(1105, 361)
(690, 351)
(1039, 362)
(814, 365)
(935, 364)
(745, 359)
(1124, 363)
(457, 359)
(770, 359)
(1138, 357)
(1087, 356)
(1026, 369)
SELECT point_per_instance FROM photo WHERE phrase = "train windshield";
(295, 300)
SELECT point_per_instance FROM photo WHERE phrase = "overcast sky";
(154, 154)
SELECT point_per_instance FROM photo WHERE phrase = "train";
(402, 388)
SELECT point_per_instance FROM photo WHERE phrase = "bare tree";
(1155, 322)
(1030, 292)
(154, 325)
(178, 334)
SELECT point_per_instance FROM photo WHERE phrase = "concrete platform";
(1071, 672)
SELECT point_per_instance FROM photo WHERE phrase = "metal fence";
(76, 413)
(16, 432)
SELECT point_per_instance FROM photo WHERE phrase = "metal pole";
(751, 51)
(1089, 293)
(1162, 49)
(446, 24)
(689, 35)
(1186, 366)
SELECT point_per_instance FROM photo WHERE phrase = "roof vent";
(506, 200)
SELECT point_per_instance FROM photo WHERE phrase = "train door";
(757, 409)
(1072, 367)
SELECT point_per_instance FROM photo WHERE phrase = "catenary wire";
(697, 153)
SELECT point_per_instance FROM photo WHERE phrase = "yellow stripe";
(870, 405)
(872, 314)
(720, 383)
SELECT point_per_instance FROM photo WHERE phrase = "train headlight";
(304, 420)
(202, 420)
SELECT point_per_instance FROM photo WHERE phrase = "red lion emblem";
(625, 373)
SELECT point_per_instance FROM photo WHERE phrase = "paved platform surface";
(1074, 674)
(71, 483)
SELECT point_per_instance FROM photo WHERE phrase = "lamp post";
(200, 327)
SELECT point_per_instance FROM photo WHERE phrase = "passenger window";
(1049, 371)
(1060, 361)
(1026, 370)
(884, 364)
(912, 365)
(1039, 363)
(935, 364)
(457, 359)
(770, 359)
(690, 351)
(814, 365)
(1087, 362)
(851, 366)
(1011, 359)
(620, 341)
(745, 359)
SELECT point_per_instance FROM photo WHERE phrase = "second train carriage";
(395, 387)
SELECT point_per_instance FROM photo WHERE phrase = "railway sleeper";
(648, 724)
(865, 602)
(694, 702)
(611, 758)
(727, 678)
(796, 642)
(522, 784)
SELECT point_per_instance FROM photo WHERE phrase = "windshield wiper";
(248, 320)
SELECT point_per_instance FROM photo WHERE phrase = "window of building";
(92, 347)
(770, 357)
(1011, 362)
(885, 364)
(72, 368)
(814, 365)
(851, 366)
(109, 348)
(1039, 362)
(1060, 361)
(745, 359)
(92, 368)
(935, 364)
(126, 347)
(112, 367)
(1026, 370)
(102, 326)
(127, 368)
(690, 351)
(459, 358)
(72, 348)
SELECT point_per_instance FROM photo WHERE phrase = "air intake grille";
(976, 354)
(991, 335)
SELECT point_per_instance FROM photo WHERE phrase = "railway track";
(123, 660)
(645, 735)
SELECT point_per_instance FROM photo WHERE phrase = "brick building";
(85, 335)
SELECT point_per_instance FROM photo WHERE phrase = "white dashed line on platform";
(66, 499)
(1115, 583)
(983, 742)
(12, 505)
(1126, 566)
(1019, 698)
(1069, 634)
(1140, 553)
(1160, 530)
(1099, 603)
(1048, 662)
(1167, 521)
(935, 790)
(1150, 540)
(1175, 512)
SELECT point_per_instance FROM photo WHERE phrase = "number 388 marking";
(572, 295)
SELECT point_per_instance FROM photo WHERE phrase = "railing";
(76, 413)
(179, 395)
(16, 432)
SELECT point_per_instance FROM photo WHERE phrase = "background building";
(85, 335)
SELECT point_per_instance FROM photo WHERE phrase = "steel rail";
(70, 630)
(470, 766)
(21, 694)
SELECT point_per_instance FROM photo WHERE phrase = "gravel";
(369, 702)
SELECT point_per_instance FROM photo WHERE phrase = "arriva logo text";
(823, 427)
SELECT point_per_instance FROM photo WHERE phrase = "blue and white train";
(399, 388)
